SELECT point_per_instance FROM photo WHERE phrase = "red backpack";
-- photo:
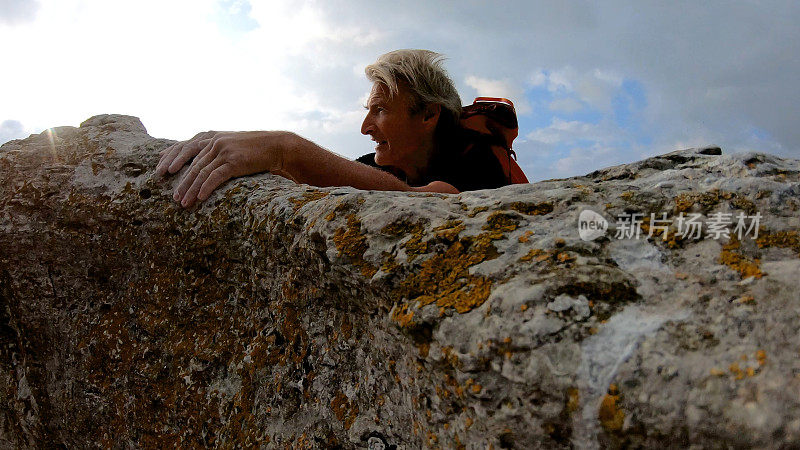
(495, 118)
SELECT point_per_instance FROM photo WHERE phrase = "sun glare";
(51, 135)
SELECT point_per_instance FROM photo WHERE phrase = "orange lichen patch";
(738, 262)
(308, 196)
(500, 222)
(468, 423)
(347, 328)
(525, 237)
(674, 240)
(424, 349)
(783, 239)
(610, 415)
(552, 257)
(573, 400)
(341, 207)
(403, 316)
(458, 444)
(706, 200)
(627, 196)
(531, 209)
(564, 257)
(746, 299)
(736, 371)
(403, 227)
(477, 210)
(444, 279)
(450, 356)
(744, 369)
(389, 264)
(476, 388)
(414, 245)
(744, 204)
(535, 253)
(344, 410)
(432, 438)
(523, 307)
(352, 243)
(450, 230)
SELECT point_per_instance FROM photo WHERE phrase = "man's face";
(404, 140)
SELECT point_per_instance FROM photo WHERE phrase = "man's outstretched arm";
(219, 157)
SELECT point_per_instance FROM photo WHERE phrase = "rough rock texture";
(282, 315)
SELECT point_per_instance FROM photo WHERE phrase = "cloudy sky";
(595, 83)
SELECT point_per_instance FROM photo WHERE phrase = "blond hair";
(422, 72)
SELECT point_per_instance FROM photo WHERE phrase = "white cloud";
(567, 105)
(11, 129)
(583, 160)
(567, 131)
(538, 78)
(14, 12)
(594, 87)
(301, 67)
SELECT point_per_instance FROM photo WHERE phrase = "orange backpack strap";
(495, 117)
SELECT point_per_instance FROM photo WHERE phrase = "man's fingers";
(191, 194)
(197, 166)
(186, 181)
(220, 175)
(167, 157)
(187, 152)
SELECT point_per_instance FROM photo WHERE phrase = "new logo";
(591, 225)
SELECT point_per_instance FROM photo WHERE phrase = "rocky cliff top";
(650, 304)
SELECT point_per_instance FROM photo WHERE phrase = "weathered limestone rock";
(283, 315)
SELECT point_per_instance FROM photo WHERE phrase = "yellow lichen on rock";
(344, 410)
(402, 315)
(351, 242)
(531, 209)
(745, 266)
(573, 400)
(500, 222)
(706, 200)
(783, 239)
(450, 230)
(308, 196)
(610, 415)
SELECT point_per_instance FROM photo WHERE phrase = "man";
(412, 115)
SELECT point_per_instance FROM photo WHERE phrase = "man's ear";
(431, 113)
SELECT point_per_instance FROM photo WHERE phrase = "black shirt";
(476, 169)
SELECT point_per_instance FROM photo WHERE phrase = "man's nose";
(366, 125)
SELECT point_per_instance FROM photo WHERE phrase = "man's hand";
(218, 157)
(437, 186)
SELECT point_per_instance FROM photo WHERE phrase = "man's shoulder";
(368, 159)
(474, 167)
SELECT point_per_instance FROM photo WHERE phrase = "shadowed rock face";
(278, 314)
